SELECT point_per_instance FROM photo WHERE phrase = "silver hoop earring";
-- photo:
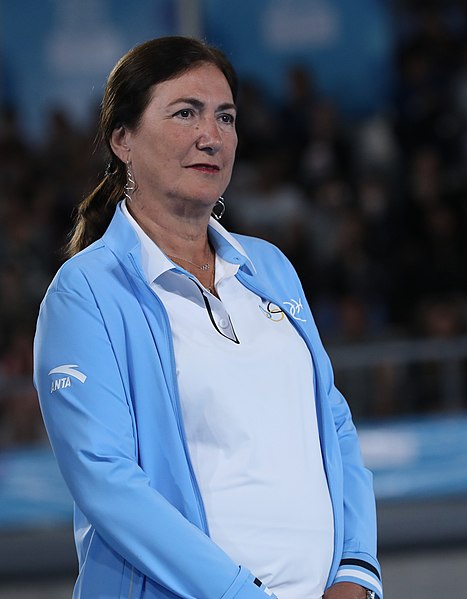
(130, 185)
(218, 209)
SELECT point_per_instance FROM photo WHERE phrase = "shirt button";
(223, 323)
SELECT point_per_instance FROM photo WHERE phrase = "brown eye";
(185, 113)
(228, 119)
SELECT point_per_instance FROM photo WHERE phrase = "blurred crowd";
(372, 213)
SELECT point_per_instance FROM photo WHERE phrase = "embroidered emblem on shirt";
(272, 312)
(63, 382)
(295, 309)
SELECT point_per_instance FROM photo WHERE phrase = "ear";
(119, 143)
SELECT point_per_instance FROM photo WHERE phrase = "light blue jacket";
(105, 375)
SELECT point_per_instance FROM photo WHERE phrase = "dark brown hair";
(126, 96)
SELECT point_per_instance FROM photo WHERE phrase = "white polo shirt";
(245, 379)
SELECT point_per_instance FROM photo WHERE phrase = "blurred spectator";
(440, 317)
(300, 98)
(269, 205)
(20, 420)
(326, 152)
(257, 123)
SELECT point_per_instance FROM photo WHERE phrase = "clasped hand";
(345, 590)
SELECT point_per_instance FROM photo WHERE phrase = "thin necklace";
(205, 266)
(210, 288)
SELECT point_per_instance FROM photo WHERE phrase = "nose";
(209, 137)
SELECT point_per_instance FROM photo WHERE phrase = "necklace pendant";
(204, 267)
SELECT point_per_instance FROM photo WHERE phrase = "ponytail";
(96, 211)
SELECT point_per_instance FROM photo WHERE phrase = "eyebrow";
(199, 104)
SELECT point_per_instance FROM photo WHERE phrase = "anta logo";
(70, 371)
(295, 309)
(60, 384)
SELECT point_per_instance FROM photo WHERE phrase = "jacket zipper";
(181, 429)
(176, 405)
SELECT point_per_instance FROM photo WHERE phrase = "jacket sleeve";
(359, 563)
(89, 424)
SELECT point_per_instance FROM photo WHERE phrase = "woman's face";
(183, 149)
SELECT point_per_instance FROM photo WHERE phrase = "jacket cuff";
(246, 586)
(361, 572)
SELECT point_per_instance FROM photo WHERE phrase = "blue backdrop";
(59, 52)
(347, 43)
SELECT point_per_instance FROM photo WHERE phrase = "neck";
(176, 234)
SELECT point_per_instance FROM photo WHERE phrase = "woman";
(184, 388)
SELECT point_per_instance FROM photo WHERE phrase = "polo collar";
(228, 247)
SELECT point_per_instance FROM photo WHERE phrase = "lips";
(205, 168)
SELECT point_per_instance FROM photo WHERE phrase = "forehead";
(204, 81)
